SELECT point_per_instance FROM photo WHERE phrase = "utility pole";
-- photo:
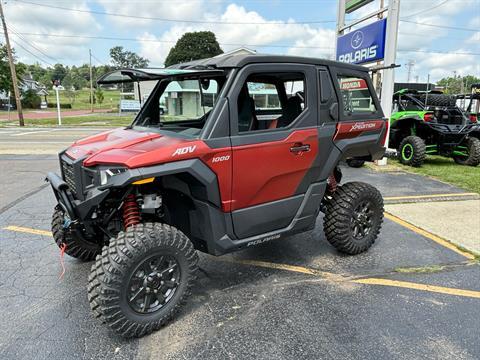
(12, 69)
(410, 65)
(91, 81)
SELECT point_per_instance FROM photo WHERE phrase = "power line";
(32, 45)
(31, 53)
(99, 61)
(229, 22)
(425, 10)
(236, 44)
(173, 20)
(440, 26)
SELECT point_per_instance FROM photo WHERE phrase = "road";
(28, 154)
(47, 114)
(409, 297)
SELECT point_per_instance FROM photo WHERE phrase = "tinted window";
(356, 96)
(270, 101)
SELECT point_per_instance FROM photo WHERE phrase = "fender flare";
(206, 188)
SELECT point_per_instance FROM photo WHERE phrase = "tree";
(59, 72)
(30, 99)
(126, 59)
(458, 84)
(5, 75)
(99, 96)
(194, 46)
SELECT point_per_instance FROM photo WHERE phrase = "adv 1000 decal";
(185, 150)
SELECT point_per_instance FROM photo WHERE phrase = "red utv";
(226, 153)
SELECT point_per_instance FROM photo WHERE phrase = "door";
(274, 145)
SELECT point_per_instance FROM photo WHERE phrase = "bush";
(62, 106)
(31, 100)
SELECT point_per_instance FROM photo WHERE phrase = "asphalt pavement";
(408, 297)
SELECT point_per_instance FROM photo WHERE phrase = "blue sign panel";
(363, 45)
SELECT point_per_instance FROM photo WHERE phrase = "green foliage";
(71, 95)
(58, 72)
(126, 59)
(458, 84)
(445, 169)
(31, 100)
(194, 46)
(5, 75)
(53, 105)
(99, 96)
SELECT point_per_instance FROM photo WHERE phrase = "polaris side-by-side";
(226, 153)
(431, 123)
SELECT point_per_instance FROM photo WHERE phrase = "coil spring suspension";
(131, 212)
(332, 184)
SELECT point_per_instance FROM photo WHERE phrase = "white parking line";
(36, 142)
(31, 132)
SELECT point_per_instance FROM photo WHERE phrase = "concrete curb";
(430, 198)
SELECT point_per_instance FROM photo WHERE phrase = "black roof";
(237, 61)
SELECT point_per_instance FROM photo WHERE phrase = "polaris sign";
(363, 45)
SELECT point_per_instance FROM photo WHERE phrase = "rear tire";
(473, 151)
(148, 272)
(353, 217)
(412, 151)
(437, 99)
(355, 163)
(76, 245)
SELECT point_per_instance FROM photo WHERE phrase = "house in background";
(239, 51)
(27, 83)
(184, 98)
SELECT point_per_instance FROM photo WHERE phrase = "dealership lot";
(408, 297)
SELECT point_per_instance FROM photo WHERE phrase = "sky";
(63, 31)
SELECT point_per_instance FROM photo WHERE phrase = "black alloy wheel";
(362, 220)
(153, 283)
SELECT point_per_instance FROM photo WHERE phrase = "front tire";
(412, 151)
(147, 274)
(76, 245)
(473, 153)
(353, 217)
(355, 163)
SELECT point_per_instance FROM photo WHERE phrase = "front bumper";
(76, 209)
(61, 191)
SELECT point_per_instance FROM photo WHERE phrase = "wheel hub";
(153, 283)
(362, 220)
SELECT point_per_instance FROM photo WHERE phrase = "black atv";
(431, 123)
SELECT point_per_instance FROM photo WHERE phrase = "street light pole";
(59, 115)
(12, 69)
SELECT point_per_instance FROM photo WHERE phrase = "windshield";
(180, 105)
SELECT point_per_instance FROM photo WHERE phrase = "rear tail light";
(384, 137)
(473, 118)
(428, 117)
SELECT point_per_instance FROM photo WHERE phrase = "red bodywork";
(247, 175)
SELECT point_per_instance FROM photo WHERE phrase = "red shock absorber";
(332, 184)
(131, 213)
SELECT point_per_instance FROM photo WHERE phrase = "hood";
(132, 148)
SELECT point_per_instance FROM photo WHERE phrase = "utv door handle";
(300, 148)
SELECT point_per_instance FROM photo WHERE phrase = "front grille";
(68, 175)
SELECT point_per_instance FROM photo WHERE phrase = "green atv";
(430, 123)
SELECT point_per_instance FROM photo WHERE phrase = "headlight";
(106, 174)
